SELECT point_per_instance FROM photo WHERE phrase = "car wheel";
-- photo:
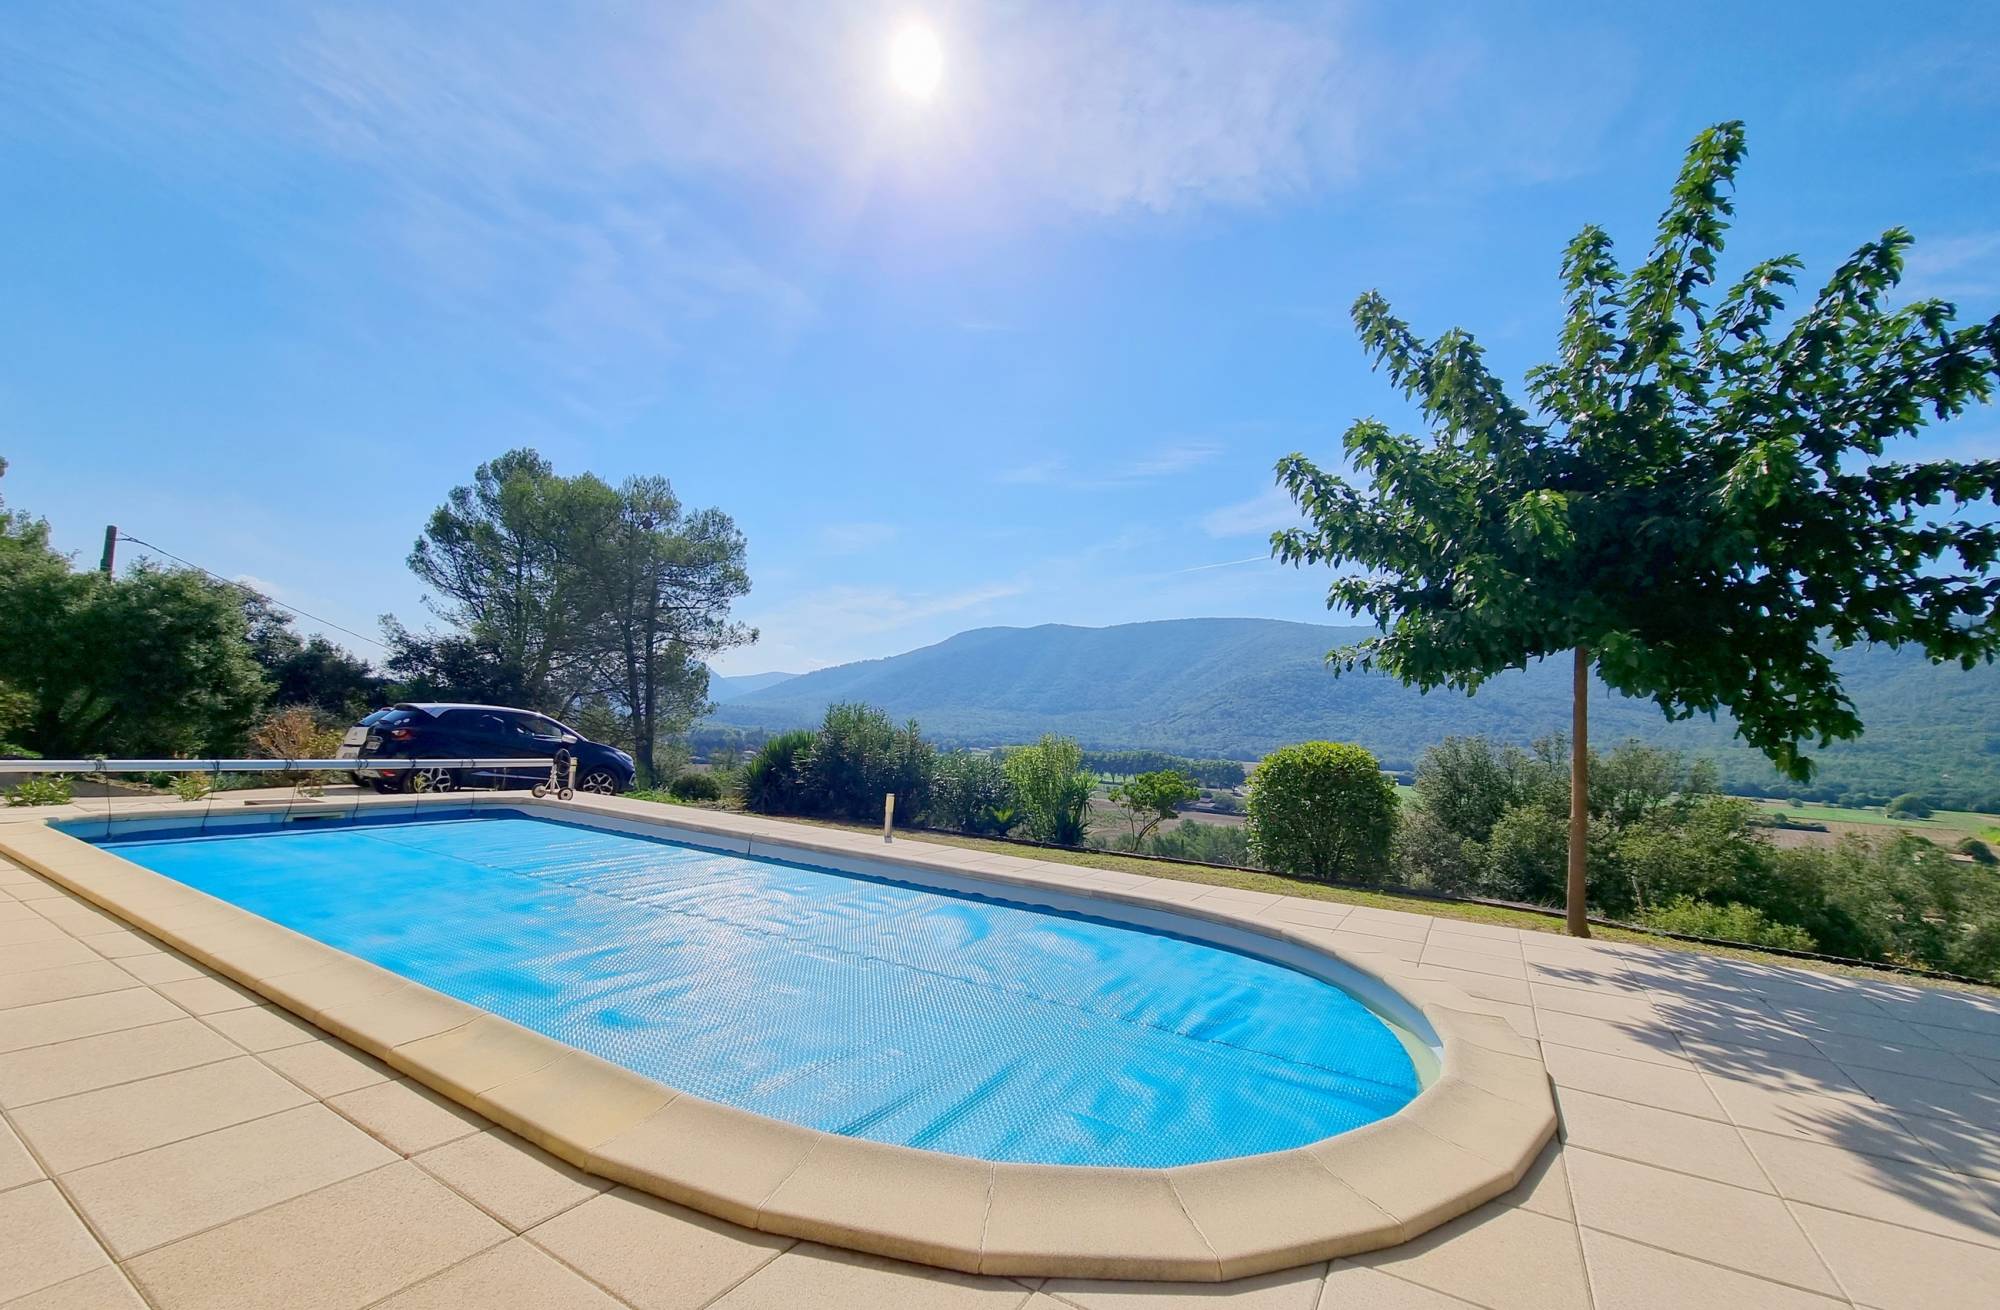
(601, 782)
(422, 780)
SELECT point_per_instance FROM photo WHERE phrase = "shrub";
(1152, 798)
(771, 782)
(1978, 850)
(970, 793)
(296, 732)
(693, 786)
(1909, 806)
(1734, 922)
(1052, 788)
(191, 786)
(1210, 843)
(1322, 809)
(54, 789)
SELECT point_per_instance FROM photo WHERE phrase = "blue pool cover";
(860, 1006)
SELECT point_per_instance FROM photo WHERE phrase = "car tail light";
(400, 734)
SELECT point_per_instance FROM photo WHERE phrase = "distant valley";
(1239, 688)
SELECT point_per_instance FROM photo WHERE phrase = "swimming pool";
(872, 1008)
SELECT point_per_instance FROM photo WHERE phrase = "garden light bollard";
(888, 814)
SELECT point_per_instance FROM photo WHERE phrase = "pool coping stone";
(1470, 1135)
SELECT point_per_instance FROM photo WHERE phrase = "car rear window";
(392, 718)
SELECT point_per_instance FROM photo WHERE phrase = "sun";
(916, 61)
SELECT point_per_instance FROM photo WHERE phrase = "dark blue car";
(462, 732)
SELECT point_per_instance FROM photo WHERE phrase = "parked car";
(464, 732)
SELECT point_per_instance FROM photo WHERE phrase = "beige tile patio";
(1683, 1142)
(812, 1275)
(65, 1068)
(59, 1021)
(1634, 1041)
(140, 1201)
(45, 1243)
(1623, 1007)
(1497, 1256)
(1349, 1286)
(90, 1127)
(1474, 961)
(263, 1028)
(339, 1247)
(1916, 1195)
(1630, 1276)
(199, 996)
(327, 1068)
(162, 966)
(26, 957)
(1681, 1090)
(1882, 1265)
(654, 1254)
(16, 1165)
(1853, 1123)
(27, 927)
(515, 1275)
(104, 1288)
(62, 983)
(516, 1183)
(1750, 1232)
(407, 1117)
(1288, 1289)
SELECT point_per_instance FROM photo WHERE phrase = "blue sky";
(274, 277)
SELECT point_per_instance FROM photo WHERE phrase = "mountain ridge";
(1241, 687)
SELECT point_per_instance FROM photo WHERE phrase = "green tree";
(1053, 789)
(1696, 507)
(1152, 798)
(1322, 809)
(858, 757)
(1908, 806)
(970, 793)
(308, 670)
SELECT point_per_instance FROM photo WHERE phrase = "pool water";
(856, 1005)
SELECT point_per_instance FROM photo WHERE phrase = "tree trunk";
(1579, 795)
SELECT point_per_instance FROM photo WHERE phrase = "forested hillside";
(1241, 687)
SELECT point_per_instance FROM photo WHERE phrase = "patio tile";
(341, 1247)
(1363, 944)
(28, 927)
(1927, 1096)
(1853, 1123)
(1895, 1191)
(159, 967)
(91, 1127)
(327, 1068)
(824, 1276)
(1596, 973)
(1629, 1276)
(1634, 1041)
(61, 983)
(1683, 1142)
(60, 1021)
(1623, 1007)
(1895, 1268)
(1924, 1061)
(16, 1165)
(1488, 986)
(141, 1201)
(199, 996)
(1350, 1286)
(1496, 1256)
(26, 957)
(104, 1288)
(1681, 1090)
(654, 1254)
(1960, 1041)
(1751, 1232)
(1375, 923)
(263, 1028)
(121, 944)
(1450, 957)
(65, 1068)
(1968, 1148)
(515, 1275)
(1289, 1289)
(46, 1243)
(405, 1116)
(516, 1183)
(1733, 1027)
(1545, 1188)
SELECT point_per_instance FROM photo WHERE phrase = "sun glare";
(916, 61)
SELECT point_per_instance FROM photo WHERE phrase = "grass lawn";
(1271, 882)
(1945, 827)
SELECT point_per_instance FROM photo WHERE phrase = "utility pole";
(110, 559)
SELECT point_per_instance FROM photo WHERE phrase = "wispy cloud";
(835, 624)
(1225, 564)
(1262, 514)
(1164, 462)
(1964, 265)
(1034, 474)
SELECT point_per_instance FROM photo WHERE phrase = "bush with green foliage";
(693, 786)
(1209, 843)
(1150, 799)
(858, 757)
(1909, 806)
(1052, 788)
(1976, 850)
(1323, 809)
(771, 778)
(970, 793)
(51, 790)
(192, 786)
(1733, 922)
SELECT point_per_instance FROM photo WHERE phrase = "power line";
(268, 600)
